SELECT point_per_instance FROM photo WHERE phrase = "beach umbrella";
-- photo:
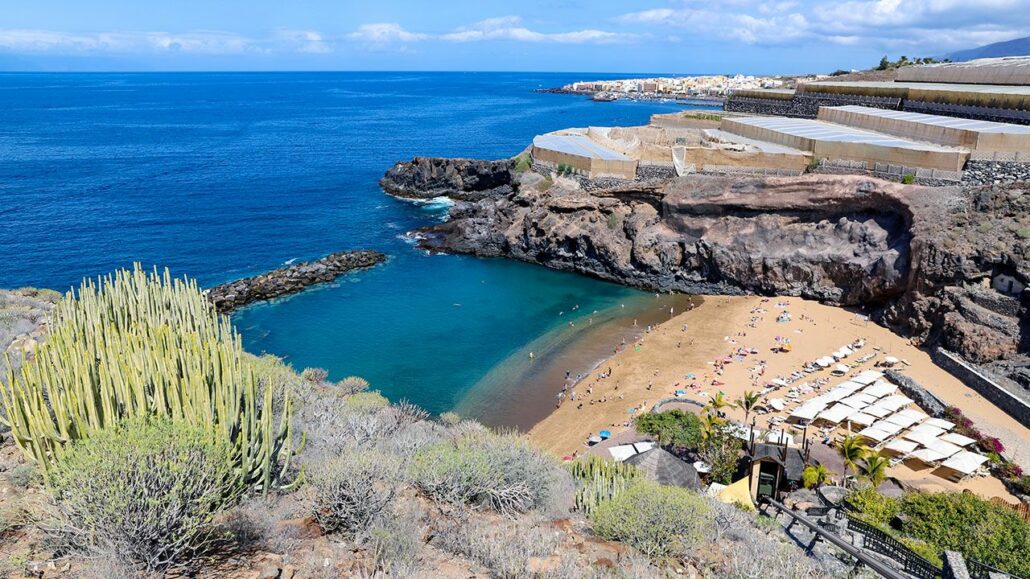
(604, 434)
(594, 439)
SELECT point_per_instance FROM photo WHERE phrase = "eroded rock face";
(922, 258)
(464, 179)
(290, 279)
(841, 240)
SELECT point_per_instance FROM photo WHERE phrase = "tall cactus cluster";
(600, 480)
(142, 344)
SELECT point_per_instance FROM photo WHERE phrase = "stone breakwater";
(290, 279)
(921, 259)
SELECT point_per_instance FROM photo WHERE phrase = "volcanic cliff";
(922, 260)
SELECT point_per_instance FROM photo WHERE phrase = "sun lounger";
(965, 462)
(956, 439)
(899, 446)
(941, 423)
(868, 377)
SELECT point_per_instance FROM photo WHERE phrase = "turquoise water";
(220, 176)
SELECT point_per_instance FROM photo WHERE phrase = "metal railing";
(821, 533)
(884, 544)
(978, 570)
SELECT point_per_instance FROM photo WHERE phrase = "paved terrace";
(578, 145)
(974, 134)
(833, 141)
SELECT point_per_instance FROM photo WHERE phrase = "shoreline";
(578, 350)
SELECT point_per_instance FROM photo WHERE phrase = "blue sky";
(688, 36)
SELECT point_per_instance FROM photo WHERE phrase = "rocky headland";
(290, 279)
(924, 261)
(461, 179)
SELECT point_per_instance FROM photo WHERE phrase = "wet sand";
(662, 361)
(576, 349)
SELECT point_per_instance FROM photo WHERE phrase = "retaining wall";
(984, 385)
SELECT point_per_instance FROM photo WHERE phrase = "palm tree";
(748, 402)
(852, 450)
(709, 424)
(874, 468)
(816, 475)
(719, 402)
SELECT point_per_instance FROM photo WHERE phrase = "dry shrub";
(146, 493)
(354, 490)
(396, 542)
(500, 472)
(504, 549)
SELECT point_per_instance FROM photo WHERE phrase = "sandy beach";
(681, 352)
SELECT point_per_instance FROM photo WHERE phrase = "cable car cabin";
(775, 468)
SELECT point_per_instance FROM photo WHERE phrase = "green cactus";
(600, 480)
(138, 344)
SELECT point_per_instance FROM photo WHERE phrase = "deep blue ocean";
(220, 176)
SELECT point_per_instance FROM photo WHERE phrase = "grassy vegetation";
(935, 522)
(674, 428)
(523, 163)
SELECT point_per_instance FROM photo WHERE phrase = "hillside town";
(681, 87)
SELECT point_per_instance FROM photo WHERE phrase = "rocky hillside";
(922, 259)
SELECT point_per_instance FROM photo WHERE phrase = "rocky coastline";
(290, 279)
(920, 260)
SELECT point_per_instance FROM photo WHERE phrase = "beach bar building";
(775, 468)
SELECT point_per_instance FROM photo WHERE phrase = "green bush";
(366, 401)
(501, 472)
(523, 163)
(672, 428)
(659, 521)
(876, 509)
(145, 492)
(354, 490)
(721, 451)
(963, 522)
(908, 179)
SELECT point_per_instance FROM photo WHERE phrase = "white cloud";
(201, 42)
(501, 28)
(308, 41)
(385, 33)
(925, 26)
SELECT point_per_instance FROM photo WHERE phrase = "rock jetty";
(290, 279)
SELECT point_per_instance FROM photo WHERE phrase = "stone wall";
(988, 388)
(805, 105)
